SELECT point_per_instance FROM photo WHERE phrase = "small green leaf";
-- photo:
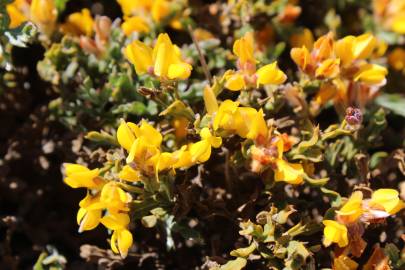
(237, 264)
(244, 252)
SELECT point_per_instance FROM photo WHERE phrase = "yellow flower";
(17, 11)
(89, 214)
(352, 209)
(210, 100)
(160, 10)
(164, 59)
(245, 121)
(371, 74)
(131, 7)
(235, 81)
(328, 68)
(351, 48)
(129, 174)
(323, 47)
(142, 143)
(121, 239)
(302, 58)
(398, 24)
(288, 172)
(396, 59)
(243, 48)
(43, 12)
(140, 55)
(335, 232)
(270, 74)
(344, 263)
(79, 23)
(386, 199)
(135, 24)
(78, 176)
(201, 151)
(114, 198)
(183, 157)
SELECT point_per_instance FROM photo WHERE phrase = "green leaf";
(61, 5)
(392, 102)
(135, 108)
(244, 252)
(237, 264)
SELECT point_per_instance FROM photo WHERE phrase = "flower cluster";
(175, 150)
(247, 77)
(358, 211)
(346, 76)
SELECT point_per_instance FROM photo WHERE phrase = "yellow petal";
(179, 71)
(150, 133)
(78, 176)
(243, 48)
(210, 100)
(160, 9)
(115, 221)
(371, 74)
(200, 151)
(135, 24)
(289, 172)
(335, 232)
(352, 209)
(17, 17)
(328, 68)
(344, 49)
(301, 57)
(129, 174)
(43, 12)
(124, 239)
(270, 74)
(398, 25)
(388, 199)
(140, 55)
(126, 135)
(364, 46)
(235, 82)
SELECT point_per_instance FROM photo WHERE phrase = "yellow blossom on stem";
(127, 173)
(135, 24)
(121, 239)
(352, 209)
(386, 199)
(291, 173)
(17, 11)
(78, 176)
(89, 214)
(43, 13)
(79, 23)
(114, 198)
(371, 74)
(246, 76)
(201, 151)
(163, 61)
(335, 232)
(396, 59)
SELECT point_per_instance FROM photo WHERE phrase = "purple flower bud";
(353, 116)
